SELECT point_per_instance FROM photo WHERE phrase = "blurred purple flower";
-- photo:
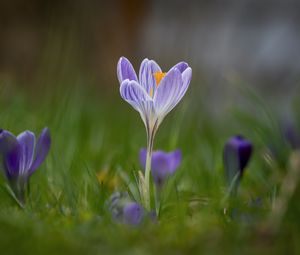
(133, 214)
(125, 211)
(163, 164)
(292, 136)
(21, 156)
(154, 94)
(237, 152)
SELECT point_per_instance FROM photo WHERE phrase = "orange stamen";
(151, 92)
(158, 77)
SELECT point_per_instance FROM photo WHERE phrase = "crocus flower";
(153, 94)
(292, 136)
(237, 152)
(163, 164)
(124, 210)
(133, 213)
(21, 156)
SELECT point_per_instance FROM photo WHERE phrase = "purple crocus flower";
(124, 210)
(237, 152)
(21, 156)
(133, 214)
(154, 93)
(163, 164)
(292, 136)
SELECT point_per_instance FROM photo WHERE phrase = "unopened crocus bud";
(237, 152)
(292, 136)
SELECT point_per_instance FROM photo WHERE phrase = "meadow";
(96, 132)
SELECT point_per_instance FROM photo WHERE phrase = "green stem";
(150, 139)
(157, 199)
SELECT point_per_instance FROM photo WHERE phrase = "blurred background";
(46, 43)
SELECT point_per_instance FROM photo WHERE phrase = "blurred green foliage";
(92, 132)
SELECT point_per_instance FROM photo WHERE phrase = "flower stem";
(157, 195)
(150, 139)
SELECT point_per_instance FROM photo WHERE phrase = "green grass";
(66, 211)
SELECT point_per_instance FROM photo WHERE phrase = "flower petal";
(133, 214)
(11, 153)
(186, 79)
(237, 153)
(160, 162)
(146, 77)
(41, 150)
(181, 66)
(136, 95)
(125, 70)
(175, 158)
(168, 93)
(245, 151)
(160, 167)
(27, 142)
(133, 92)
(163, 164)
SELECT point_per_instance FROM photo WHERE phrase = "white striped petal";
(125, 70)
(27, 142)
(168, 93)
(136, 95)
(181, 66)
(146, 77)
(186, 79)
